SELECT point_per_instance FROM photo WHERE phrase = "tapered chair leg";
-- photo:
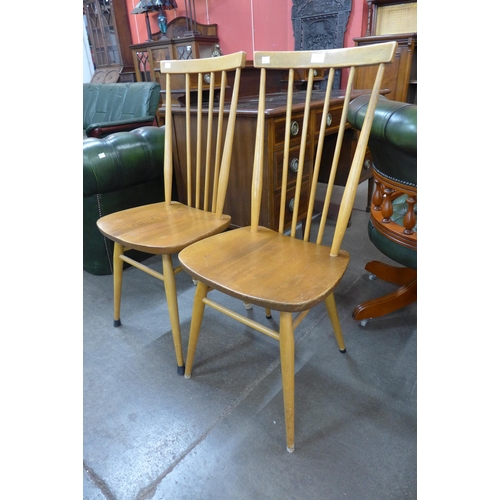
(287, 355)
(331, 307)
(196, 318)
(173, 309)
(117, 282)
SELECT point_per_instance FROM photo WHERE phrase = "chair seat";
(159, 228)
(266, 268)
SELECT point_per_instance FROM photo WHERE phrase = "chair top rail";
(204, 65)
(338, 58)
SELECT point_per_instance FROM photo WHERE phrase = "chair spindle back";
(200, 131)
(309, 62)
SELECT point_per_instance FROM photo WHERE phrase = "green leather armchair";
(118, 107)
(393, 217)
(120, 171)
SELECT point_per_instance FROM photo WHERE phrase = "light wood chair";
(167, 227)
(273, 269)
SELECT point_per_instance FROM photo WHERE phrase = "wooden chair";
(167, 227)
(277, 270)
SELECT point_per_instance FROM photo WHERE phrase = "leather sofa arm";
(394, 121)
(393, 137)
(100, 130)
(122, 160)
(110, 104)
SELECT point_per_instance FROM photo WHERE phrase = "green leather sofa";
(118, 107)
(120, 171)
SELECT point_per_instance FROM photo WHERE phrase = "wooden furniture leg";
(402, 297)
(196, 319)
(173, 309)
(117, 282)
(331, 307)
(391, 274)
(287, 355)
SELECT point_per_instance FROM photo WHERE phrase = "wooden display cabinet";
(387, 21)
(400, 77)
(109, 36)
(178, 43)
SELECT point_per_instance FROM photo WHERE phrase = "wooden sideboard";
(400, 77)
(238, 195)
(178, 44)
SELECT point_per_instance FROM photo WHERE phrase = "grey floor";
(151, 434)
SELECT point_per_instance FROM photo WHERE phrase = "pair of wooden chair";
(246, 263)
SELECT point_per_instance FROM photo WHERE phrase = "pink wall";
(248, 24)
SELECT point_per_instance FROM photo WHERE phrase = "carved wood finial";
(410, 218)
(387, 209)
(378, 195)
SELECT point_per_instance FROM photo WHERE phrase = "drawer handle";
(291, 204)
(367, 164)
(294, 165)
(294, 128)
(206, 77)
(329, 119)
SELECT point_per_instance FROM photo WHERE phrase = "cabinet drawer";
(293, 160)
(332, 123)
(290, 200)
(300, 75)
(295, 131)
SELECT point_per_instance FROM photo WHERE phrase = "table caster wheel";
(372, 277)
(364, 322)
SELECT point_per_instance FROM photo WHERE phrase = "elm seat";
(118, 107)
(393, 221)
(120, 171)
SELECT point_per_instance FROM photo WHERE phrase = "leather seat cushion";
(400, 254)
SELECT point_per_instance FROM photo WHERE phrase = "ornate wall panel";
(320, 24)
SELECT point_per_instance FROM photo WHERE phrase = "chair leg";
(287, 355)
(117, 282)
(331, 307)
(391, 274)
(196, 318)
(171, 294)
(402, 297)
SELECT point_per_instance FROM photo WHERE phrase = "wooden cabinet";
(238, 194)
(178, 44)
(400, 77)
(109, 36)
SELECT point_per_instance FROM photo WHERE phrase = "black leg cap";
(180, 370)
(117, 322)
(343, 351)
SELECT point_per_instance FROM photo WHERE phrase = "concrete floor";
(151, 434)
